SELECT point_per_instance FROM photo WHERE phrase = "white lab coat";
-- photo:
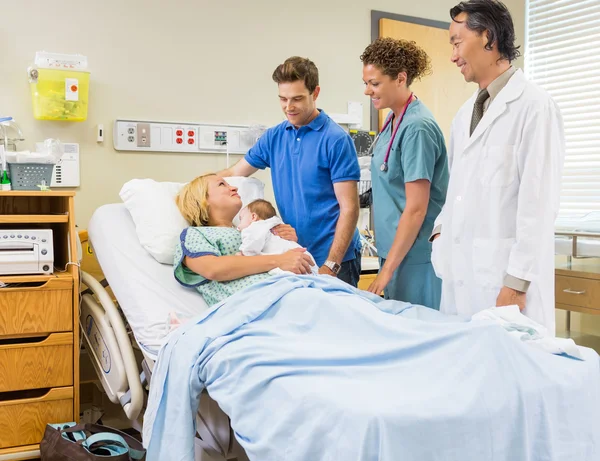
(502, 201)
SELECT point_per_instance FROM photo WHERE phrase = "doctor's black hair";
(491, 16)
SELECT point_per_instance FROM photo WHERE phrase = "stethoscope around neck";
(384, 165)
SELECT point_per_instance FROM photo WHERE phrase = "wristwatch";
(335, 267)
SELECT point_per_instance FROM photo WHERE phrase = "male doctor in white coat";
(493, 244)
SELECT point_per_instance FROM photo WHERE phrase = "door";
(445, 89)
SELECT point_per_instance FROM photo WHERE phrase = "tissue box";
(29, 176)
(60, 95)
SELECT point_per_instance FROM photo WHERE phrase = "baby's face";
(246, 218)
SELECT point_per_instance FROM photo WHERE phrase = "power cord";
(66, 268)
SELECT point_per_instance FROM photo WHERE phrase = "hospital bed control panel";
(26, 251)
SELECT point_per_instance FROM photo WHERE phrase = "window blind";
(562, 55)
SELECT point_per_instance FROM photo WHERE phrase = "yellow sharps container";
(57, 91)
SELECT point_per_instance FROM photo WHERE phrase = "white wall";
(202, 61)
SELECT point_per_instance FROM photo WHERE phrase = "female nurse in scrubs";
(409, 172)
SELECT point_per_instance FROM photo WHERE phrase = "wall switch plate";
(143, 135)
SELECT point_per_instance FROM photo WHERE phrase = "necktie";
(478, 109)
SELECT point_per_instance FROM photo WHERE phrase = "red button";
(190, 141)
(179, 132)
(179, 140)
(73, 88)
(191, 133)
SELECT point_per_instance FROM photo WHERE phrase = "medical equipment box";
(26, 251)
(60, 94)
(30, 176)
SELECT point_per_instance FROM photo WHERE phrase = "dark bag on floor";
(89, 442)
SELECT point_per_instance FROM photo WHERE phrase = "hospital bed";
(147, 294)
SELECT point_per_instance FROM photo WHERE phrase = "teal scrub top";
(418, 152)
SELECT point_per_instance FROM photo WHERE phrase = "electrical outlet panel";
(133, 135)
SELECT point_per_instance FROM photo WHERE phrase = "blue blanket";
(309, 368)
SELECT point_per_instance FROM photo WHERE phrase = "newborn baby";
(256, 221)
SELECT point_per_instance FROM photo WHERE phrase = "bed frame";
(110, 348)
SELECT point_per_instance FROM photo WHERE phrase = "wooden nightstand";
(577, 286)
(39, 327)
(368, 272)
(577, 277)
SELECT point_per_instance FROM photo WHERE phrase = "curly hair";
(393, 56)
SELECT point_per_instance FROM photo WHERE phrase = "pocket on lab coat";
(490, 261)
(499, 168)
(436, 260)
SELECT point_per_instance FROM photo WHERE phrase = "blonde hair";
(192, 201)
(262, 208)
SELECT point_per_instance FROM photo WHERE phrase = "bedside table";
(39, 327)
(369, 267)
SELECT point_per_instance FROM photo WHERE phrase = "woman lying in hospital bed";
(310, 368)
(207, 256)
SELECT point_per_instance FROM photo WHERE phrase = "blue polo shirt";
(305, 164)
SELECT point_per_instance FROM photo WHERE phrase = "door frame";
(375, 17)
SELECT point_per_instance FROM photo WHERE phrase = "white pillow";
(158, 222)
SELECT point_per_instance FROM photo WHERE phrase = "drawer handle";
(567, 290)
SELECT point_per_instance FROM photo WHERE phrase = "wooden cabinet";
(23, 420)
(369, 270)
(39, 332)
(581, 292)
(577, 284)
(365, 281)
(45, 307)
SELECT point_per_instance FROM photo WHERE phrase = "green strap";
(121, 448)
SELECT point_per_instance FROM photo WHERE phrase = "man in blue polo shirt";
(314, 169)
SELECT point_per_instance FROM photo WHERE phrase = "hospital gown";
(216, 241)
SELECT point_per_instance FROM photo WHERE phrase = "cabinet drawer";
(23, 421)
(365, 281)
(35, 365)
(576, 291)
(39, 309)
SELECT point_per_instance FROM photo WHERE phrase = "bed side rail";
(132, 400)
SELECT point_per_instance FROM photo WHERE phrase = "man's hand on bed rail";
(286, 232)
